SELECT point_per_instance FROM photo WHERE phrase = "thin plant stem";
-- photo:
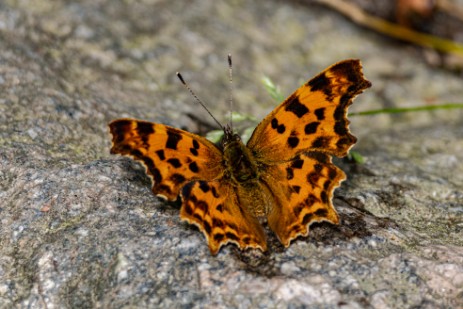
(396, 110)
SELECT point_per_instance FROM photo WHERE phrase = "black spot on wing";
(320, 113)
(321, 142)
(324, 197)
(293, 141)
(274, 123)
(219, 237)
(145, 129)
(311, 128)
(174, 162)
(193, 198)
(297, 210)
(310, 200)
(204, 186)
(173, 138)
(332, 173)
(177, 179)
(346, 141)
(136, 153)
(321, 83)
(161, 154)
(156, 174)
(322, 212)
(279, 127)
(218, 223)
(232, 236)
(319, 156)
(297, 163)
(118, 129)
(193, 167)
(296, 189)
(289, 173)
(313, 178)
(201, 205)
(207, 227)
(164, 189)
(186, 191)
(326, 185)
(296, 107)
(188, 208)
(318, 168)
(194, 151)
(214, 192)
(233, 226)
(307, 218)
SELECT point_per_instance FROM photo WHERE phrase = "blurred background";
(128, 52)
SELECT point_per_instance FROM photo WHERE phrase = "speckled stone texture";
(81, 229)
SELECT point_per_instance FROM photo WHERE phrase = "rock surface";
(80, 228)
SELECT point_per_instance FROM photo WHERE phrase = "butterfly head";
(229, 136)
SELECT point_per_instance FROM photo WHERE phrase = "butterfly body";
(283, 175)
(239, 161)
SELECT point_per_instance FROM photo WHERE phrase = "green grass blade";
(396, 110)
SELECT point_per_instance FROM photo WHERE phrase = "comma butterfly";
(283, 175)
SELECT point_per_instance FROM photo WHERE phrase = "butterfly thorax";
(239, 160)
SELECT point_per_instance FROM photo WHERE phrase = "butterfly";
(283, 175)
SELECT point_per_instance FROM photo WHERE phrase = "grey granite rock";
(81, 229)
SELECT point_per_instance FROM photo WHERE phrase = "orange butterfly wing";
(172, 157)
(313, 118)
(294, 143)
(303, 190)
(215, 208)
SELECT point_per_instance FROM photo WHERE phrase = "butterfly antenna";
(230, 74)
(198, 100)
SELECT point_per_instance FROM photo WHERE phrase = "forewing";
(213, 207)
(172, 157)
(313, 118)
(303, 189)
